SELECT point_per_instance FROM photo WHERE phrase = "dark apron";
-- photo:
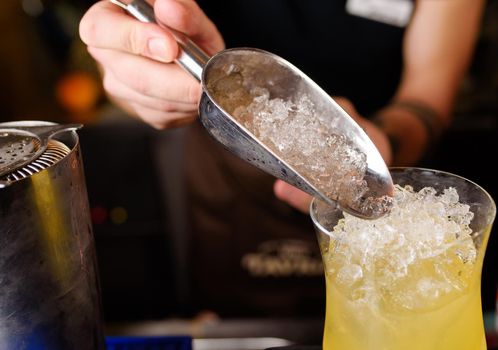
(250, 253)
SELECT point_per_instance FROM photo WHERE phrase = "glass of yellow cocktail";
(409, 280)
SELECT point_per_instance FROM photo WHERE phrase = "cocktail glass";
(435, 304)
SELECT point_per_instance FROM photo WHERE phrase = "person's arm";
(438, 47)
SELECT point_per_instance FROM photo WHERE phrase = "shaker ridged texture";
(55, 152)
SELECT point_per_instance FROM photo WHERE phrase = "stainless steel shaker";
(49, 291)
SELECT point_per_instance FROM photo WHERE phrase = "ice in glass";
(410, 280)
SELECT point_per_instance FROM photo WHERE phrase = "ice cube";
(414, 257)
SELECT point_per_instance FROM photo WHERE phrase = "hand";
(378, 137)
(301, 200)
(136, 58)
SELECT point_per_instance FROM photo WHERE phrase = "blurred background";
(139, 224)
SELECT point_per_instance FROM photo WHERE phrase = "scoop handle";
(190, 57)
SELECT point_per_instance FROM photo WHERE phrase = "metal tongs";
(285, 81)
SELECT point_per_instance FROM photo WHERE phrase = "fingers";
(105, 25)
(163, 120)
(379, 138)
(119, 90)
(348, 106)
(148, 77)
(187, 17)
(292, 196)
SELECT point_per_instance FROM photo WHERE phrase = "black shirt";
(346, 55)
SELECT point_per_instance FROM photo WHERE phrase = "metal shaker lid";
(23, 143)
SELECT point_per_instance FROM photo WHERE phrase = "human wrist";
(426, 115)
(412, 127)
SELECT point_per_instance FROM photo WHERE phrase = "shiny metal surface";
(49, 296)
(283, 80)
(22, 142)
(54, 152)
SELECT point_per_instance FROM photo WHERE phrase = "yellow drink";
(410, 280)
(449, 323)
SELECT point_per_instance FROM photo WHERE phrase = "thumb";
(106, 26)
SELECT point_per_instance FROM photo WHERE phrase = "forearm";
(438, 47)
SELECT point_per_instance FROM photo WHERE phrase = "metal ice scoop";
(219, 76)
